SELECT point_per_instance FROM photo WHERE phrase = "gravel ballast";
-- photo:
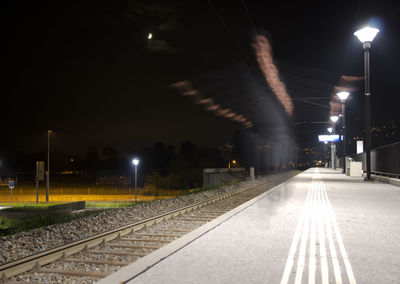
(27, 243)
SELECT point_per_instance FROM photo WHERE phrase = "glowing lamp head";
(329, 129)
(234, 161)
(366, 34)
(135, 162)
(334, 118)
(150, 36)
(343, 96)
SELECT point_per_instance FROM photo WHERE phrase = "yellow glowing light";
(150, 36)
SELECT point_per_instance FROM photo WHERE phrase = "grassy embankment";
(27, 193)
(34, 220)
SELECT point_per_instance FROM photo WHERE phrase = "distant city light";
(366, 34)
(150, 36)
(328, 138)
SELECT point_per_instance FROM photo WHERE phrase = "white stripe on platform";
(304, 238)
(322, 250)
(293, 246)
(312, 249)
(317, 221)
(332, 249)
(339, 240)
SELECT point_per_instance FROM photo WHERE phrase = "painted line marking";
(317, 221)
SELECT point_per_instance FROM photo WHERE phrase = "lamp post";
(343, 97)
(48, 166)
(334, 119)
(366, 36)
(136, 163)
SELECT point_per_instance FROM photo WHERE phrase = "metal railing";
(385, 160)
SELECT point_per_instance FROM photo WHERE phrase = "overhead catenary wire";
(305, 101)
(248, 14)
(230, 32)
(312, 98)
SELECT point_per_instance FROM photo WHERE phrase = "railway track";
(93, 258)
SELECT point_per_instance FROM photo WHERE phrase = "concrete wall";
(223, 175)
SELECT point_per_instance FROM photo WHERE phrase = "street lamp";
(343, 97)
(329, 129)
(48, 166)
(334, 119)
(136, 163)
(366, 36)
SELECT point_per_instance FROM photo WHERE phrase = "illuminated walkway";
(320, 227)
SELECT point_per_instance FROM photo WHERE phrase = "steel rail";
(36, 261)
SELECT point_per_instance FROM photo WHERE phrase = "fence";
(385, 160)
(25, 193)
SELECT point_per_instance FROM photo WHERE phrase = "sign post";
(11, 185)
(39, 176)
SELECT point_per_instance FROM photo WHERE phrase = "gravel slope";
(28, 243)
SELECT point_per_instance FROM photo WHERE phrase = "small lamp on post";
(334, 119)
(343, 97)
(135, 162)
(366, 36)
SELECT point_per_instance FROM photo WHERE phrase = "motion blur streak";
(264, 58)
(255, 98)
(186, 89)
(348, 84)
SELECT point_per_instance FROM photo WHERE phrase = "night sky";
(86, 70)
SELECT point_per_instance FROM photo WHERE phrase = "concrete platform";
(319, 227)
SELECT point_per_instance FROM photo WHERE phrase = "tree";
(92, 160)
(226, 152)
(111, 157)
(188, 150)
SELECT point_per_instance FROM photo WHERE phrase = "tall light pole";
(136, 163)
(343, 97)
(330, 129)
(48, 166)
(334, 119)
(366, 36)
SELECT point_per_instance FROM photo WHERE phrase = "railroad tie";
(193, 220)
(145, 240)
(96, 274)
(95, 261)
(175, 230)
(209, 217)
(19, 282)
(132, 246)
(124, 253)
(158, 235)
